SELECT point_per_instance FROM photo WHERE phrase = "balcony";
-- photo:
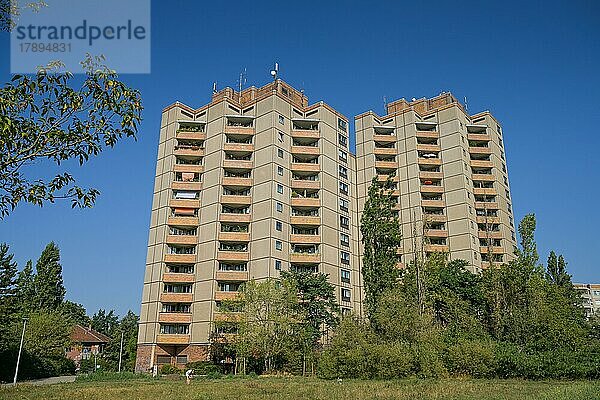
(182, 239)
(239, 130)
(480, 150)
(235, 217)
(234, 236)
(490, 235)
(480, 205)
(172, 339)
(175, 185)
(305, 220)
(482, 164)
(479, 137)
(434, 218)
(436, 233)
(427, 134)
(483, 177)
(225, 295)
(305, 202)
(239, 147)
(430, 175)
(184, 203)
(236, 200)
(305, 258)
(232, 276)
(429, 161)
(485, 191)
(305, 239)
(384, 178)
(306, 150)
(183, 134)
(183, 221)
(305, 167)
(440, 248)
(491, 249)
(305, 184)
(385, 138)
(234, 181)
(189, 151)
(385, 151)
(432, 189)
(180, 258)
(433, 203)
(429, 147)
(391, 165)
(481, 219)
(175, 318)
(226, 316)
(176, 297)
(223, 255)
(237, 164)
(188, 168)
(305, 133)
(170, 277)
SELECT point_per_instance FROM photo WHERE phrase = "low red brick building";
(85, 343)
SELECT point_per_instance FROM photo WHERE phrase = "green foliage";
(8, 291)
(515, 320)
(48, 282)
(381, 238)
(168, 369)
(204, 368)
(43, 118)
(75, 313)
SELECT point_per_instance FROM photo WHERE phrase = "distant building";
(590, 293)
(85, 343)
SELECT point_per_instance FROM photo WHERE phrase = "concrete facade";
(590, 293)
(251, 184)
(260, 181)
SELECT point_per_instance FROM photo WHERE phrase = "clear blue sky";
(535, 65)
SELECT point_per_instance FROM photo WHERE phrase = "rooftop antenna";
(242, 79)
(466, 104)
(214, 87)
(385, 105)
(275, 71)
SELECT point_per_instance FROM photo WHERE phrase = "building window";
(470, 210)
(343, 171)
(345, 294)
(279, 188)
(344, 205)
(279, 170)
(280, 136)
(343, 140)
(343, 125)
(345, 275)
(344, 239)
(344, 188)
(278, 226)
(344, 221)
(475, 255)
(281, 120)
(278, 245)
(279, 207)
(343, 156)
(278, 265)
(279, 153)
(345, 257)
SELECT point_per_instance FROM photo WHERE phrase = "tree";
(8, 291)
(556, 271)
(26, 292)
(50, 290)
(381, 238)
(528, 254)
(268, 321)
(105, 323)
(75, 313)
(45, 118)
(129, 328)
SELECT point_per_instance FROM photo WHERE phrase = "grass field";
(306, 388)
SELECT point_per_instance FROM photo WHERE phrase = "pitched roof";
(82, 334)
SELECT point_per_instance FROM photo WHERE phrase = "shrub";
(168, 369)
(394, 360)
(204, 368)
(471, 357)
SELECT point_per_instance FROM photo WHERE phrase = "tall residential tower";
(250, 184)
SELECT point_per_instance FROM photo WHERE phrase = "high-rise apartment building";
(259, 181)
(590, 294)
(450, 177)
(248, 185)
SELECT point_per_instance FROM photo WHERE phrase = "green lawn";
(307, 388)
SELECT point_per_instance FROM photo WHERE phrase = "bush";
(394, 360)
(168, 369)
(471, 357)
(204, 368)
